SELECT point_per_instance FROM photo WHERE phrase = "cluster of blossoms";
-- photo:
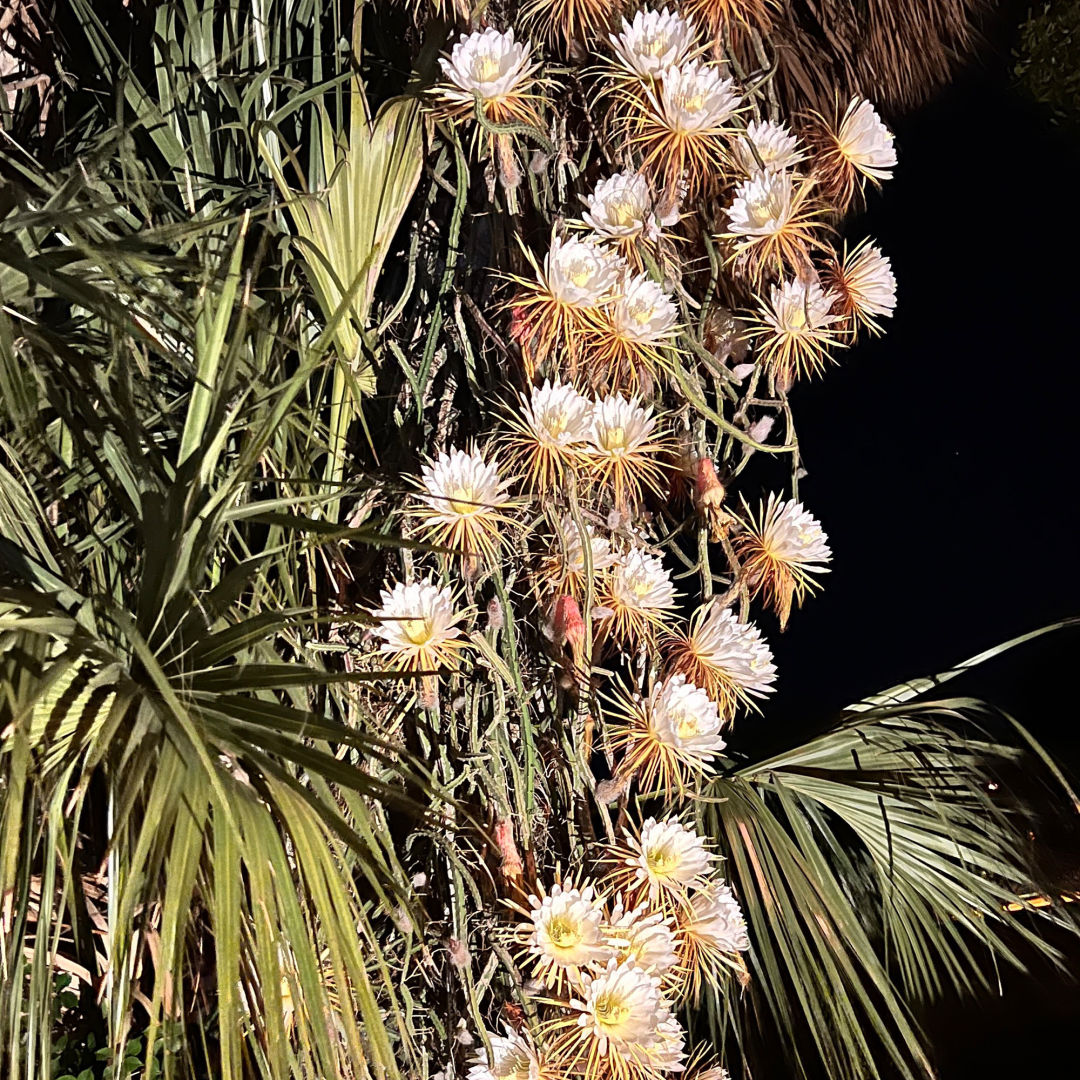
(691, 282)
(588, 302)
(612, 443)
(621, 955)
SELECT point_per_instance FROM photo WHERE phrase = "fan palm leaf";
(189, 823)
(877, 869)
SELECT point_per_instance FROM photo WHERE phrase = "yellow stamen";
(614, 439)
(463, 501)
(610, 1011)
(485, 68)
(580, 274)
(623, 212)
(687, 727)
(655, 45)
(564, 933)
(661, 861)
(418, 631)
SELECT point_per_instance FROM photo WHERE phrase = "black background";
(941, 463)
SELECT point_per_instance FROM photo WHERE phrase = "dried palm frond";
(570, 22)
(896, 52)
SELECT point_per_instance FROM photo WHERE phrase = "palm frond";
(878, 864)
(900, 53)
(191, 826)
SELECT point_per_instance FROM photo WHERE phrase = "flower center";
(661, 860)
(611, 1011)
(556, 423)
(463, 500)
(693, 103)
(580, 273)
(564, 933)
(765, 208)
(418, 631)
(623, 210)
(686, 725)
(613, 439)
(797, 319)
(517, 1066)
(485, 68)
(641, 311)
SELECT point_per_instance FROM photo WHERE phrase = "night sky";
(941, 462)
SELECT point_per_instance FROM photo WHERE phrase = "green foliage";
(195, 815)
(1048, 58)
(159, 689)
(219, 297)
(875, 869)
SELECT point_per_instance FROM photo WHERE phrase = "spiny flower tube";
(627, 337)
(782, 548)
(669, 738)
(864, 286)
(571, 23)
(733, 17)
(464, 503)
(727, 657)
(578, 274)
(681, 126)
(624, 450)
(773, 224)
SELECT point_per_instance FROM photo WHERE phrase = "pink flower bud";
(567, 624)
(510, 858)
(708, 490)
(459, 952)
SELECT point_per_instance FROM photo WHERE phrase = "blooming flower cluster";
(613, 442)
(622, 965)
(674, 271)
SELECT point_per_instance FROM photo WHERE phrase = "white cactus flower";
(581, 273)
(865, 142)
(653, 42)
(489, 64)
